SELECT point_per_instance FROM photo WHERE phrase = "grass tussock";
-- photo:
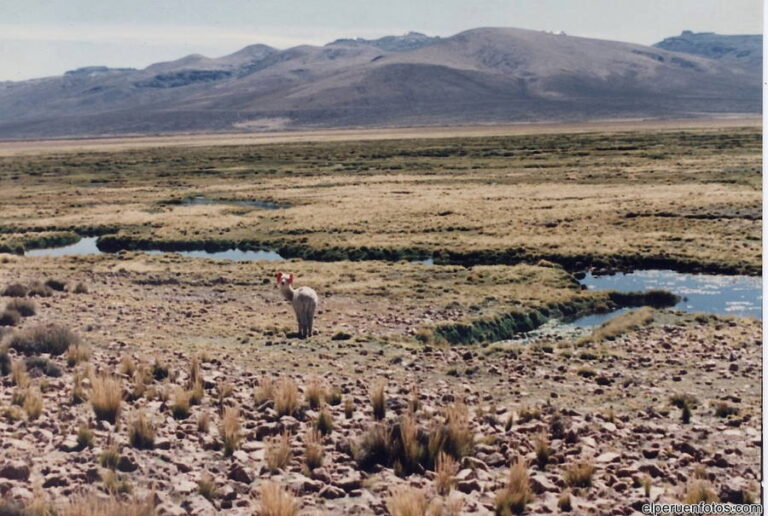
(286, 397)
(53, 339)
(564, 502)
(180, 406)
(314, 393)
(543, 451)
(19, 375)
(127, 366)
(698, 491)
(33, 404)
(229, 429)
(324, 422)
(445, 472)
(276, 501)
(278, 452)
(265, 390)
(517, 492)
(579, 474)
(203, 422)
(38, 289)
(206, 486)
(313, 450)
(349, 407)
(106, 397)
(379, 401)
(85, 436)
(78, 353)
(408, 501)
(109, 457)
(141, 432)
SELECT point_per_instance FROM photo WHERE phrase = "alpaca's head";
(284, 283)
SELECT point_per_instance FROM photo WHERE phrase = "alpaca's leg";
(298, 321)
(310, 322)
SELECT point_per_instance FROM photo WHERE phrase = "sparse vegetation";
(276, 501)
(53, 339)
(313, 450)
(230, 430)
(25, 307)
(106, 397)
(324, 423)
(9, 317)
(379, 401)
(181, 403)
(579, 474)
(15, 290)
(278, 452)
(141, 432)
(286, 397)
(314, 393)
(445, 471)
(517, 493)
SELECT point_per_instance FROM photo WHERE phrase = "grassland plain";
(648, 407)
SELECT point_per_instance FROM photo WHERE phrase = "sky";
(48, 37)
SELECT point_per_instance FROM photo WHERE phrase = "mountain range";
(485, 75)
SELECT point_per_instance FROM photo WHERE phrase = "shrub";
(203, 422)
(197, 392)
(378, 401)
(9, 317)
(106, 397)
(723, 409)
(5, 362)
(564, 502)
(230, 430)
(159, 370)
(115, 483)
(141, 432)
(42, 366)
(517, 493)
(127, 365)
(15, 290)
(454, 437)
(276, 501)
(52, 339)
(37, 289)
(25, 307)
(57, 285)
(80, 288)
(286, 397)
(373, 448)
(278, 452)
(19, 374)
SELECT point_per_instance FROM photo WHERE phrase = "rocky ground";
(597, 425)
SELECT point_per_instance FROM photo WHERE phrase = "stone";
(238, 473)
(198, 505)
(14, 470)
(331, 492)
(541, 484)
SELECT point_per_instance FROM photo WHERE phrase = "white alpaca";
(304, 301)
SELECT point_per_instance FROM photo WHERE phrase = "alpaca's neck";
(287, 291)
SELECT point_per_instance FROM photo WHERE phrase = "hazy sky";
(48, 37)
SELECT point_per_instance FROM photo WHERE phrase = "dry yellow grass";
(98, 506)
(33, 403)
(314, 392)
(106, 397)
(286, 397)
(379, 400)
(276, 501)
(313, 450)
(517, 493)
(445, 471)
(278, 452)
(141, 432)
(229, 429)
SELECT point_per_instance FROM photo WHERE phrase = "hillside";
(745, 49)
(477, 76)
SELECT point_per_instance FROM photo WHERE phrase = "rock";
(541, 484)
(55, 481)
(184, 486)
(127, 464)
(608, 457)
(350, 481)
(69, 445)
(331, 492)
(238, 473)
(467, 486)
(198, 505)
(163, 444)
(651, 469)
(734, 490)
(14, 470)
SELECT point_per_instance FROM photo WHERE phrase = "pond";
(266, 205)
(88, 245)
(709, 293)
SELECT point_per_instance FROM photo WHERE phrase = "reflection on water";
(88, 246)
(709, 293)
(267, 205)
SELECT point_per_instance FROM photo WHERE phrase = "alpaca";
(303, 299)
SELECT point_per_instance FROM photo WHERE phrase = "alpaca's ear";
(290, 279)
(279, 276)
